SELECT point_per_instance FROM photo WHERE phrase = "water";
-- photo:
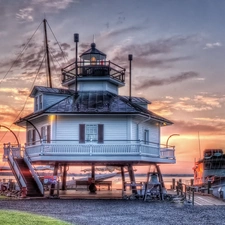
(117, 181)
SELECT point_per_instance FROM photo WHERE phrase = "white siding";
(49, 100)
(114, 128)
(139, 127)
(97, 86)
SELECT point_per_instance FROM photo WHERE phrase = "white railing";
(17, 171)
(167, 153)
(35, 176)
(100, 149)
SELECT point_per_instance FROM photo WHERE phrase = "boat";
(209, 173)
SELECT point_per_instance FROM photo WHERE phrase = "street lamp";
(11, 132)
(170, 137)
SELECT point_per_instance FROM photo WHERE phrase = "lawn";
(8, 217)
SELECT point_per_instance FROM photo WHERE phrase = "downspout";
(149, 117)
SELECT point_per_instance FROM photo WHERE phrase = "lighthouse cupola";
(93, 55)
(93, 72)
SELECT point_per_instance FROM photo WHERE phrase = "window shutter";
(82, 133)
(33, 137)
(100, 133)
(48, 134)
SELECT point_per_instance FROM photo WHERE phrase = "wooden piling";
(55, 172)
(173, 183)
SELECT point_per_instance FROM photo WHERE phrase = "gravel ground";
(119, 212)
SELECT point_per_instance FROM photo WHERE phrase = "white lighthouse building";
(87, 123)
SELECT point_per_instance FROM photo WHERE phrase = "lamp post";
(170, 137)
(12, 133)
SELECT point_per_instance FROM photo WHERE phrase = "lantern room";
(93, 72)
(93, 56)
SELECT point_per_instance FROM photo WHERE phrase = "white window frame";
(146, 136)
(30, 137)
(38, 102)
(44, 133)
(91, 133)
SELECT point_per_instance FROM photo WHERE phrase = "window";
(31, 137)
(93, 60)
(38, 102)
(146, 137)
(46, 133)
(91, 133)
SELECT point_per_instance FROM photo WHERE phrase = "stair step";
(32, 188)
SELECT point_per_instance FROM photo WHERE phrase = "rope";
(19, 56)
(26, 98)
(64, 57)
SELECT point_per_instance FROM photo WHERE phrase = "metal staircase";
(31, 185)
(23, 171)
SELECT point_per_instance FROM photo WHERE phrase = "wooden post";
(123, 178)
(193, 196)
(160, 175)
(173, 183)
(93, 171)
(209, 186)
(57, 187)
(54, 174)
(132, 178)
(64, 177)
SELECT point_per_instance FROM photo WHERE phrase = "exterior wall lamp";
(170, 137)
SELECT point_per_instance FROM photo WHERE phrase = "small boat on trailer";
(209, 173)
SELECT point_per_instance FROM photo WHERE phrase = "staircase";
(32, 187)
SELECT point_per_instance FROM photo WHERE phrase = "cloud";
(24, 15)
(51, 6)
(170, 80)
(212, 45)
(122, 31)
(194, 127)
(213, 120)
(167, 106)
(160, 46)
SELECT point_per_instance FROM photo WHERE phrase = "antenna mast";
(130, 58)
(47, 53)
(76, 40)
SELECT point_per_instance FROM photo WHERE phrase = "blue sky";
(178, 57)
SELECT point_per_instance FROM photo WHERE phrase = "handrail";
(17, 171)
(94, 149)
(37, 180)
(186, 191)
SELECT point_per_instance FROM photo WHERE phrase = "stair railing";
(34, 174)
(16, 170)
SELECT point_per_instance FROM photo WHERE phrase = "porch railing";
(67, 147)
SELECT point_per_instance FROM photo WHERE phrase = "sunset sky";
(178, 49)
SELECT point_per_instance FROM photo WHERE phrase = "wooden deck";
(207, 200)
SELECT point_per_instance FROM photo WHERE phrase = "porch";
(110, 151)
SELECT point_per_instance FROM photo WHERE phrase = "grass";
(8, 217)
(2, 197)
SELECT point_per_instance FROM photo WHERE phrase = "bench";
(98, 184)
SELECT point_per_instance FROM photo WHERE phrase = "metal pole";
(76, 40)
(47, 53)
(12, 133)
(170, 137)
(130, 57)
